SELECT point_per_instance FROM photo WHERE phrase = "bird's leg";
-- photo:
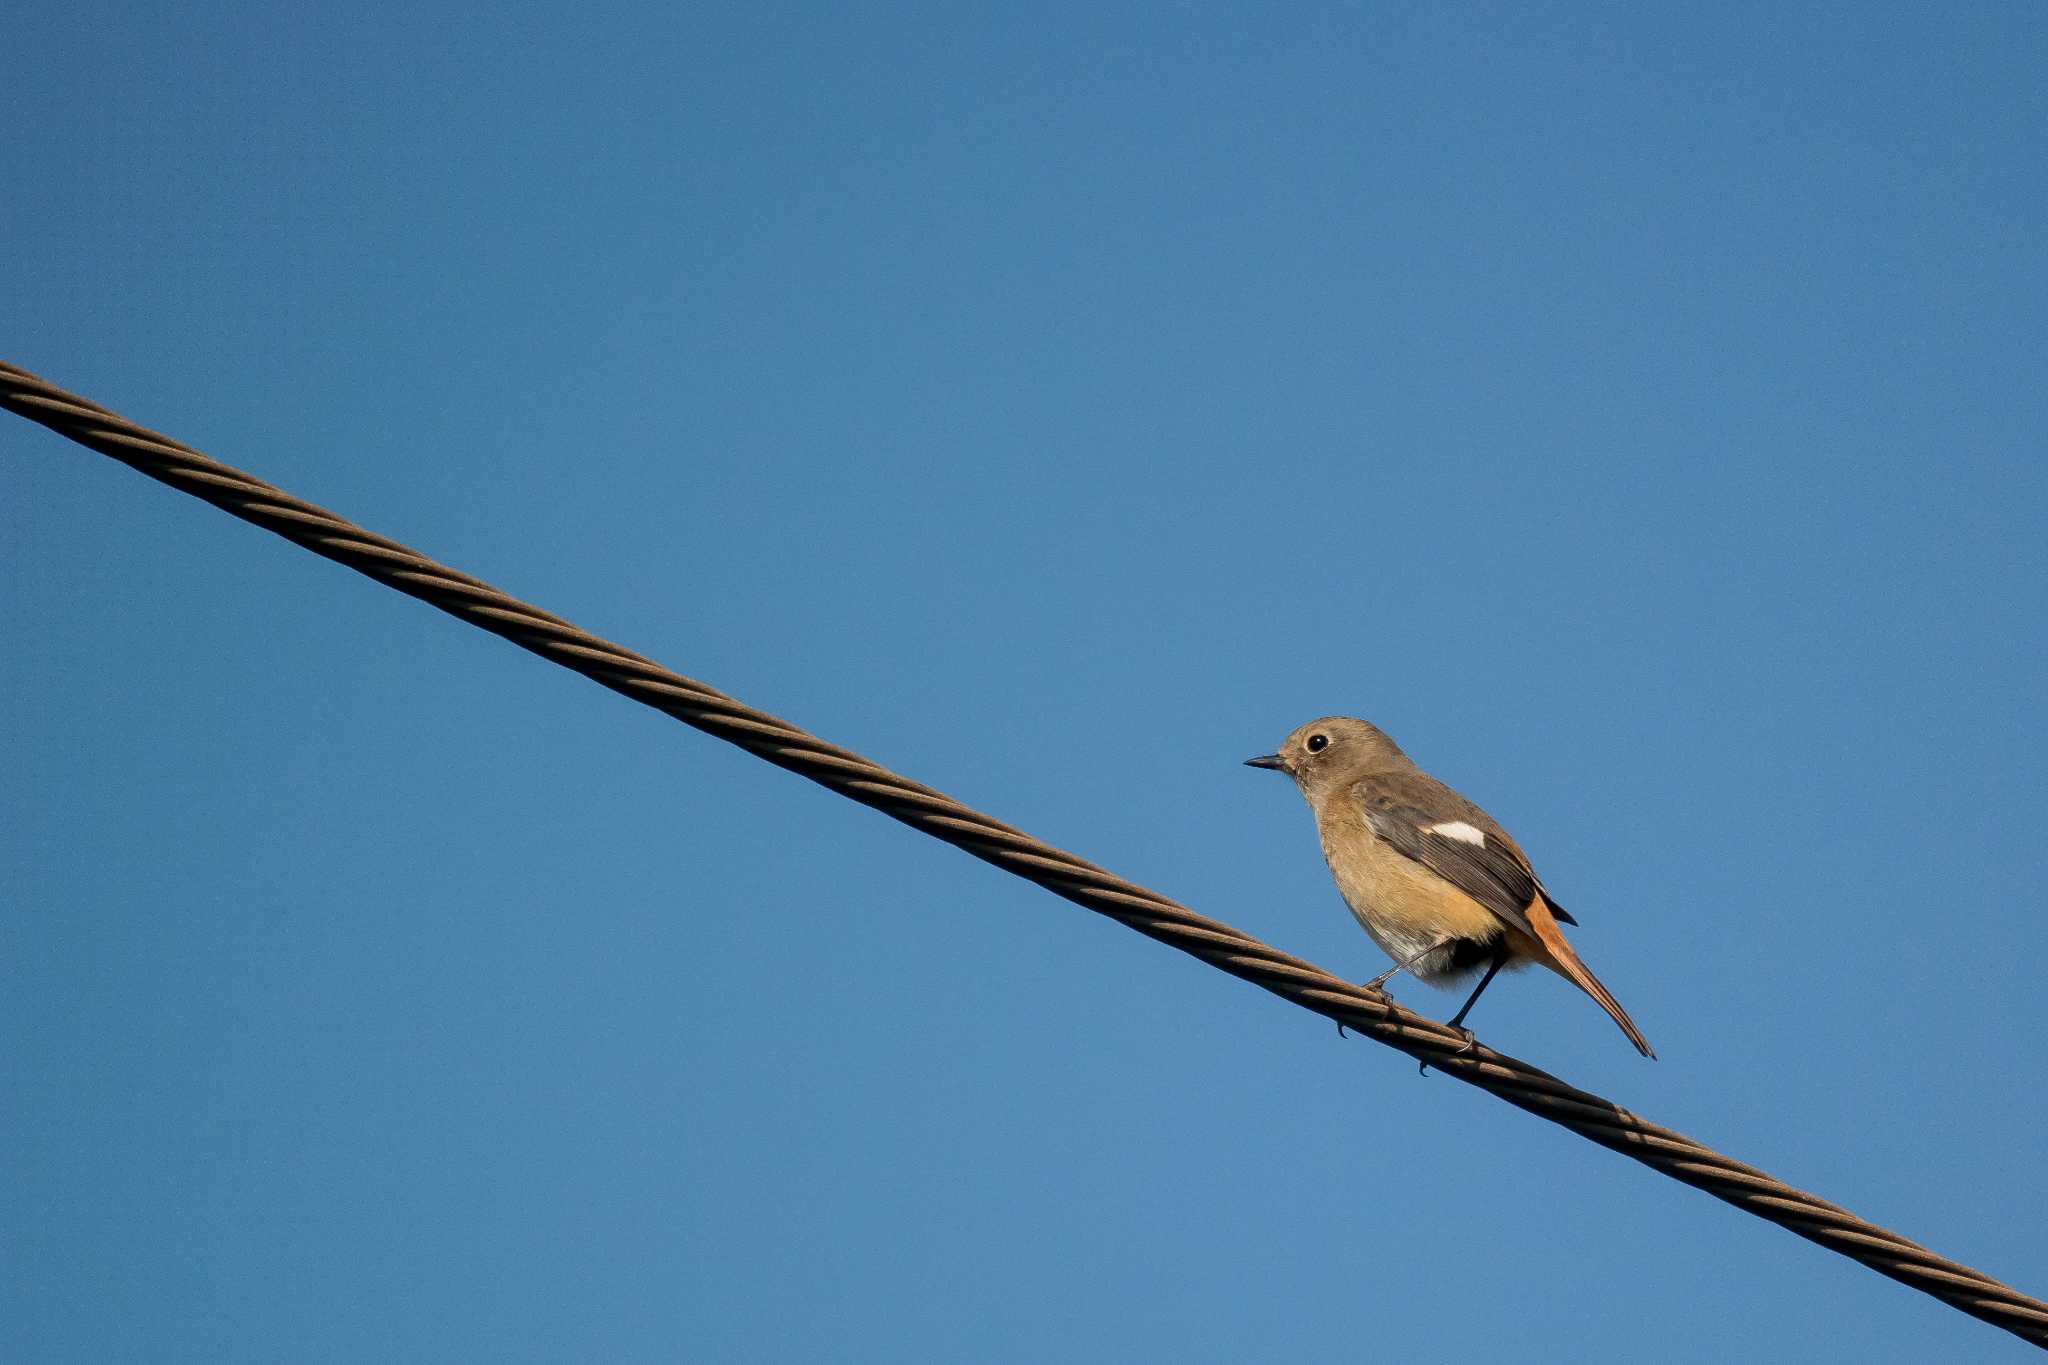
(1500, 959)
(1400, 967)
(1381, 980)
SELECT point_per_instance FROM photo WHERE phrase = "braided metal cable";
(1075, 879)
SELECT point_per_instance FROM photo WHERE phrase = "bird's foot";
(1471, 1041)
(1377, 985)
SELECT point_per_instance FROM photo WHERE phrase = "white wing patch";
(1459, 830)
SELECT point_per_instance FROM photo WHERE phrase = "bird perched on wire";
(1434, 879)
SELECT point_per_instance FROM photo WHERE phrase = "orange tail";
(1567, 963)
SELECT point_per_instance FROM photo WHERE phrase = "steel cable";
(1075, 879)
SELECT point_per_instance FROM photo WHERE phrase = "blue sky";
(1638, 413)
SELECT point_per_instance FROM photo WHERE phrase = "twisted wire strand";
(1064, 874)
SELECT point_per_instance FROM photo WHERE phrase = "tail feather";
(1568, 965)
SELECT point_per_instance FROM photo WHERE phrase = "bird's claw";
(1378, 986)
(1471, 1041)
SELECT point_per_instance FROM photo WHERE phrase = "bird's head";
(1332, 751)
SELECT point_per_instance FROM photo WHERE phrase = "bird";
(1435, 880)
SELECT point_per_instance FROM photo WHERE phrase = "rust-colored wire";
(1058, 871)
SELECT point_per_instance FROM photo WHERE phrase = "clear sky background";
(1639, 414)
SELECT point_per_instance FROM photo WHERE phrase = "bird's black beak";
(1266, 761)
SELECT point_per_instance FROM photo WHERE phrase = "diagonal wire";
(1062, 873)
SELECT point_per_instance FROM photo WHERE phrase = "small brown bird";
(1436, 882)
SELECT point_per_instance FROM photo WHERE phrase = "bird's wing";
(1427, 821)
(1454, 839)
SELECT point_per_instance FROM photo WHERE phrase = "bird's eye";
(1318, 743)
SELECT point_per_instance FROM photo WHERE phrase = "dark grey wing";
(1455, 840)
